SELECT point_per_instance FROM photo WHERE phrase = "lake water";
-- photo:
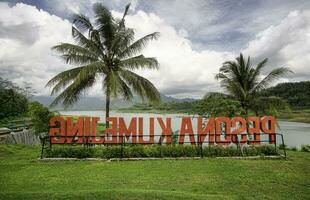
(295, 134)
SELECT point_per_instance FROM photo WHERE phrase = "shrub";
(267, 150)
(40, 116)
(134, 151)
(112, 152)
(282, 146)
(294, 149)
(140, 151)
(305, 148)
(250, 151)
(70, 152)
(152, 151)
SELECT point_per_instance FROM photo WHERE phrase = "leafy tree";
(214, 107)
(108, 51)
(243, 82)
(40, 117)
(13, 102)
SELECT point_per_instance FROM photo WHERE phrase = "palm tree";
(104, 49)
(242, 81)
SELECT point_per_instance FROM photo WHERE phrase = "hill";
(95, 103)
(296, 94)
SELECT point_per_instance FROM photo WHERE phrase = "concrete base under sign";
(165, 158)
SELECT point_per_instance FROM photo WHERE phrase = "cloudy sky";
(197, 36)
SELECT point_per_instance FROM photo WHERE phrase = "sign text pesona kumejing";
(65, 131)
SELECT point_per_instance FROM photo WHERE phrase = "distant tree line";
(296, 94)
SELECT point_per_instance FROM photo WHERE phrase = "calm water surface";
(295, 133)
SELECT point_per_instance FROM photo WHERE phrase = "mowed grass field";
(22, 176)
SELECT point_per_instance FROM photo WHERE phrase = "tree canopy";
(13, 99)
(104, 50)
(242, 82)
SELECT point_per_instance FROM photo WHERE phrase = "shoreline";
(282, 116)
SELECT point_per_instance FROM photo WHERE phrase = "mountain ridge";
(96, 103)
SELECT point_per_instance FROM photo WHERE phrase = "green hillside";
(296, 94)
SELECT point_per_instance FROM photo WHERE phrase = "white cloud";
(31, 61)
(184, 72)
(286, 44)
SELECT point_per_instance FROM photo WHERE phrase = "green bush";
(156, 151)
(282, 146)
(251, 151)
(13, 101)
(152, 151)
(305, 148)
(70, 152)
(40, 116)
(293, 148)
(112, 152)
(267, 150)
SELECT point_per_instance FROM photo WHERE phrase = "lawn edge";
(164, 158)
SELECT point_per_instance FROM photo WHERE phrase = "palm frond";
(85, 42)
(122, 22)
(82, 23)
(105, 23)
(76, 54)
(121, 40)
(233, 87)
(138, 45)
(65, 75)
(139, 62)
(271, 77)
(254, 74)
(114, 83)
(63, 79)
(72, 93)
(141, 86)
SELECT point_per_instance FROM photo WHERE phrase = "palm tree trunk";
(107, 106)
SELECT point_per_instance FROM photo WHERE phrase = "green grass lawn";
(23, 177)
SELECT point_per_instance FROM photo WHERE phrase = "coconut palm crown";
(104, 50)
(242, 82)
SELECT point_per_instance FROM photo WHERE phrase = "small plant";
(305, 148)
(267, 150)
(282, 146)
(175, 137)
(251, 151)
(293, 148)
